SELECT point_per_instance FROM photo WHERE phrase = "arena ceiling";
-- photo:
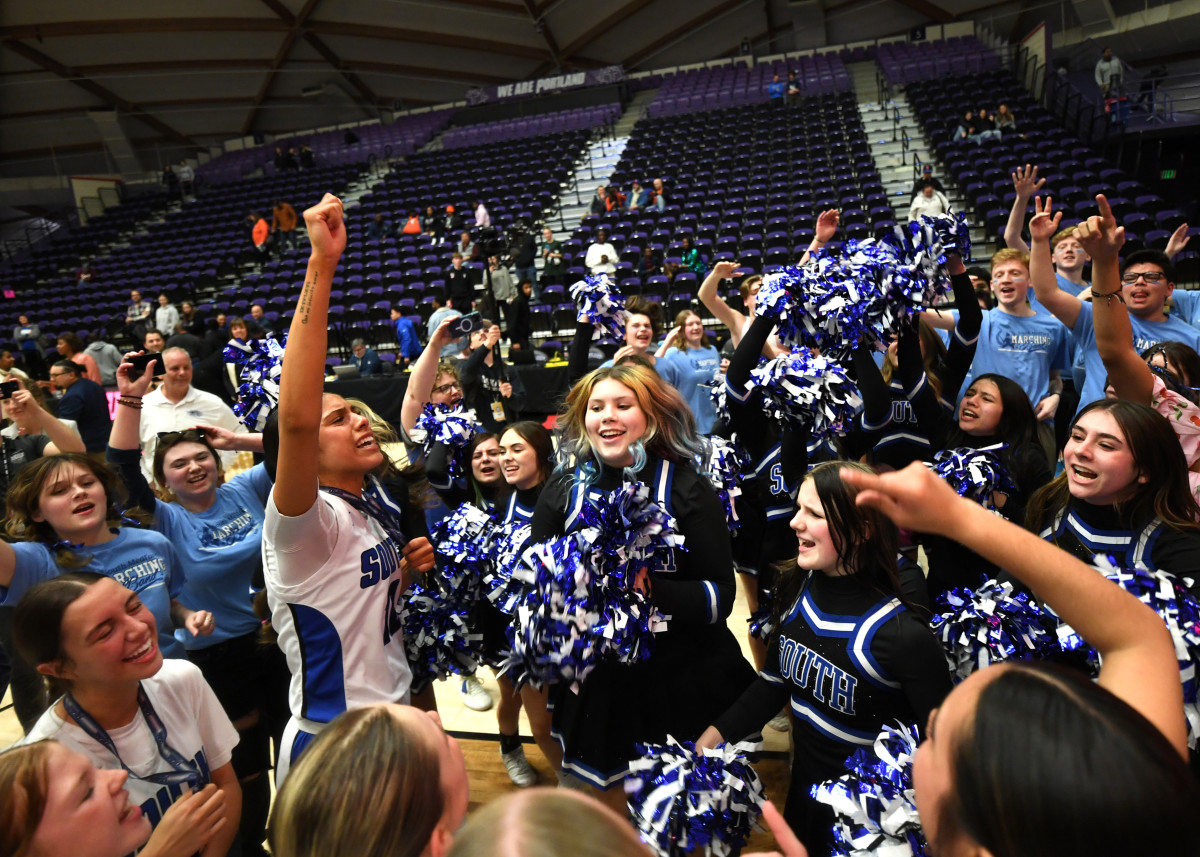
(183, 75)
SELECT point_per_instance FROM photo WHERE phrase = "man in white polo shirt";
(177, 405)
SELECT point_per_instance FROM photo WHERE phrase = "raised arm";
(1064, 305)
(1026, 183)
(826, 228)
(725, 314)
(1101, 238)
(302, 381)
(1179, 239)
(62, 439)
(124, 442)
(424, 373)
(1139, 663)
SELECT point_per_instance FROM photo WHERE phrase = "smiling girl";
(848, 654)
(63, 511)
(334, 557)
(124, 707)
(216, 528)
(689, 363)
(624, 423)
(1124, 491)
(526, 461)
(643, 321)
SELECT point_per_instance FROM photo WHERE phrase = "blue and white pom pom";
(802, 390)
(438, 640)
(781, 298)
(583, 605)
(1168, 596)
(597, 298)
(874, 803)
(722, 462)
(682, 799)
(451, 425)
(503, 589)
(436, 616)
(259, 365)
(989, 625)
(977, 474)
(464, 545)
(922, 247)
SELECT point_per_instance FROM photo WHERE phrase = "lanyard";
(186, 771)
(375, 504)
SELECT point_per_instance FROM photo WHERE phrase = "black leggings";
(250, 680)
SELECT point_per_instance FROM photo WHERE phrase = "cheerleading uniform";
(1084, 530)
(850, 660)
(893, 436)
(696, 669)
(335, 591)
(779, 461)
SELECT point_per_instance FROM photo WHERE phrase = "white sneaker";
(519, 770)
(781, 722)
(474, 694)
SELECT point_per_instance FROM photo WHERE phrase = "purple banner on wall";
(558, 83)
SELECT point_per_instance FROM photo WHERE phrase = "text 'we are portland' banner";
(557, 83)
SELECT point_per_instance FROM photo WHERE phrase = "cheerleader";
(778, 462)
(643, 324)
(1123, 491)
(380, 781)
(848, 652)
(216, 529)
(623, 423)
(526, 460)
(918, 364)
(62, 512)
(1026, 760)
(124, 707)
(334, 557)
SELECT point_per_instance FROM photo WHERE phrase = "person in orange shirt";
(283, 222)
(259, 231)
(70, 346)
(412, 226)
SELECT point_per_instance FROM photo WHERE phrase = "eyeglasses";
(446, 388)
(1151, 277)
(166, 438)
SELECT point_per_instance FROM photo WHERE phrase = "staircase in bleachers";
(745, 184)
(521, 179)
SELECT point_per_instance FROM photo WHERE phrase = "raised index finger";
(1105, 208)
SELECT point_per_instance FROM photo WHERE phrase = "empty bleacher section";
(402, 137)
(736, 85)
(745, 184)
(581, 118)
(908, 62)
(1074, 172)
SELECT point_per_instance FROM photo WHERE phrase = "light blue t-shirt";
(1185, 305)
(1021, 348)
(1145, 334)
(219, 550)
(1073, 347)
(689, 371)
(140, 560)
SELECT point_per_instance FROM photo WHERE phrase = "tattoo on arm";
(306, 299)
